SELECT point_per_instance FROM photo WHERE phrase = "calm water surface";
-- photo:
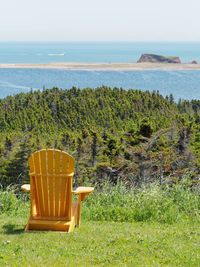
(183, 84)
(44, 52)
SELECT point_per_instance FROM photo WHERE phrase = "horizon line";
(90, 41)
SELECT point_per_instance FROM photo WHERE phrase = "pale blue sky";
(103, 20)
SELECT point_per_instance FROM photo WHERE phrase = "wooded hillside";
(113, 134)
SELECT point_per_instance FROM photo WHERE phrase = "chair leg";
(27, 227)
(72, 225)
(79, 211)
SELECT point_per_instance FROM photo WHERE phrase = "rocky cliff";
(158, 59)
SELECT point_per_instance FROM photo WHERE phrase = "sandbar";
(106, 66)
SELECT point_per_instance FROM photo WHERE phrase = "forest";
(114, 134)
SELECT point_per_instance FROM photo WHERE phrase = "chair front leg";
(80, 199)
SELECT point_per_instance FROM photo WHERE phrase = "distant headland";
(159, 59)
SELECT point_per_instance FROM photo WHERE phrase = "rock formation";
(158, 59)
(194, 62)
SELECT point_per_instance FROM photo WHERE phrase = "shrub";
(11, 204)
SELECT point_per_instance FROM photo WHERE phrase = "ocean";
(182, 84)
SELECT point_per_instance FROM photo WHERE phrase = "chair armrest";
(26, 187)
(83, 192)
(83, 189)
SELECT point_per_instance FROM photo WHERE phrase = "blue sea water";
(45, 52)
(183, 84)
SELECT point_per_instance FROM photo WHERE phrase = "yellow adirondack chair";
(51, 173)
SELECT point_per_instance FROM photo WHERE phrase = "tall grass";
(166, 204)
(149, 203)
(12, 203)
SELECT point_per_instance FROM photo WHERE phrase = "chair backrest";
(51, 173)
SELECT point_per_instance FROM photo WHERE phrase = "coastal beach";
(106, 66)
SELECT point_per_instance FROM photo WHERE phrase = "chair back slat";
(69, 185)
(64, 185)
(57, 182)
(43, 162)
(71, 164)
(51, 184)
(38, 182)
(51, 181)
(31, 164)
(34, 200)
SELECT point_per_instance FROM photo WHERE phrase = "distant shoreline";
(106, 66)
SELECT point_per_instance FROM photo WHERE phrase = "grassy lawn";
(101, 243)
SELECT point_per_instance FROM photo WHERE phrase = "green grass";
(166, 204)
(101, 243)
(150, 226)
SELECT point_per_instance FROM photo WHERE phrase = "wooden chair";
(51, 174)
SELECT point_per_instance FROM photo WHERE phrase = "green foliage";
(73, 109)
(10, 204)
(112, 127)
(16, 169)
(112, 149)
(146, 129)
(149, 203)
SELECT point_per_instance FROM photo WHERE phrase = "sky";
(102, 20)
